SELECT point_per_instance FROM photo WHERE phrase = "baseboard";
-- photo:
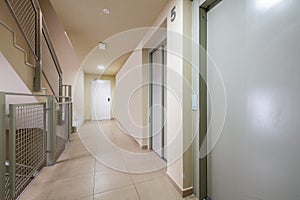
(183, 192)
(121, 127)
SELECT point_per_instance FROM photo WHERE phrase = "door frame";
(202, 101)
(162, 44)
(204, 8)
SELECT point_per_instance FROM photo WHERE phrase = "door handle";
(108, 99)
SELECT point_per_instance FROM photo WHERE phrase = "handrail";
(34, 30)
(28, 19)
(51, 48)
(34, 95)
(63, 103)
(22, 30)
(24, 94)
(57, 116)
(51, 55)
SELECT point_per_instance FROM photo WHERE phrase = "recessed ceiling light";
(106, 11)
(101, 67)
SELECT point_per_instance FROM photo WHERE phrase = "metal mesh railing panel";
(26, 15)
(49, 67)
(7, 195)
(30, 143)
(62, 127)
(70, 117)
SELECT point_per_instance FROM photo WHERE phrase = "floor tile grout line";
(111, 190)
(51, 186)
(147, 181)
(83, 197)
(152, 179)
(74, 176)
(130, 174)
(52, 183)
(139, 196)
(94, 183)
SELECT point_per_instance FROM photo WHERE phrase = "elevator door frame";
(203, 101)
(162, 45)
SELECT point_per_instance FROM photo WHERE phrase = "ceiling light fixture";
(102, 46)
(101, 67)
(106, 11)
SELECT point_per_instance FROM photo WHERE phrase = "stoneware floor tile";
(72, 188)
(127, 193)
(110, 179)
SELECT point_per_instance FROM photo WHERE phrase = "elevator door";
(158, 127)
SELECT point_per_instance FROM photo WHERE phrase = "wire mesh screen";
(7, 196)
(62, 127)
(49, 67)
(26, 15)
(30, 144)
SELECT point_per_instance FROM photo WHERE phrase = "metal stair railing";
(31, 142)
(29, 18)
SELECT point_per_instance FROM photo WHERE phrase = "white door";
(100, 108)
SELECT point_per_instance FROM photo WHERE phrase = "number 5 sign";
(173, 14)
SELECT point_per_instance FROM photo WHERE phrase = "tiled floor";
(94, 168)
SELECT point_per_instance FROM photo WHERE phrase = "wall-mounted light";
(102, 46)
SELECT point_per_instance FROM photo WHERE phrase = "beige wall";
(187, 93)
(16, 52)
(66, 54)
(88, 78)
(128, 96)
(14, 48)
(67, 58)
(15, 57)
(79, 100)
(179, 114)
(11, 82)
(7, 19)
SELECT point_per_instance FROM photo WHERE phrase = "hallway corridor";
(78, 174)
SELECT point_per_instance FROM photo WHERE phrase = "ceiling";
(86, 25)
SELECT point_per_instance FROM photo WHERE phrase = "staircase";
(16, 56)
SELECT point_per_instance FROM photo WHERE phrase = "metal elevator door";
(158, 132)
